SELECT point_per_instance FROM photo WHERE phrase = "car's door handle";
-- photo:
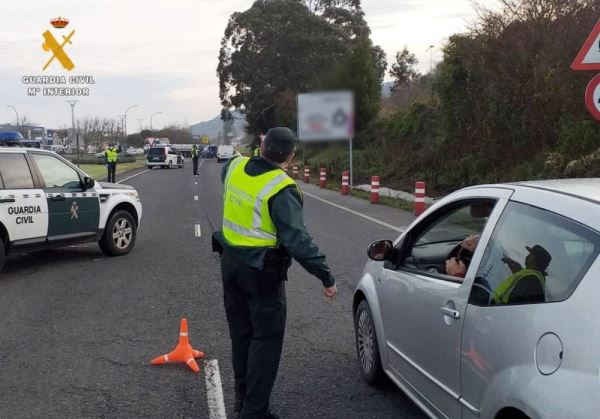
(57, 198)
(450, 312)
(7, 200)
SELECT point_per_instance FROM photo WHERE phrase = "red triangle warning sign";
(589, 56)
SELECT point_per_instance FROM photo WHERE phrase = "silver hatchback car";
(487, 305)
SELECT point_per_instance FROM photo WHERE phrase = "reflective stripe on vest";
(501, 295)
(111, 155)
(246, 220)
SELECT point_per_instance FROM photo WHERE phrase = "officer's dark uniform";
(195, 158)
(254, 285)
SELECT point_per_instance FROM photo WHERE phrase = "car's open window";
(438, 238)
(55, 173)
(15, 171)
(533, 256)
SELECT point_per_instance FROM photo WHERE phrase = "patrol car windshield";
(158, 151)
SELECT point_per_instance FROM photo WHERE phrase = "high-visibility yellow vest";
(246, 219)
(257, 151)
(194, 153)
(501, 295)
(111, 155)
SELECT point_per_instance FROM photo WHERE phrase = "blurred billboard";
(326, 116)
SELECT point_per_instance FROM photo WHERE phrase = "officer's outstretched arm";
(287, 215)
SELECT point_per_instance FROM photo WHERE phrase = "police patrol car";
(46, 202)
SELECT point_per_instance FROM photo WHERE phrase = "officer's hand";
(330, 293)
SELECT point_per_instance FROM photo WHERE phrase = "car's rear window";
(527, 239)
(15, 171)
(159, 151)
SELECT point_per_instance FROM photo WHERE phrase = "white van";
(224, 153)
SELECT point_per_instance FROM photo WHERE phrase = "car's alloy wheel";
(367, 349)
(122, 233)
(119, 234)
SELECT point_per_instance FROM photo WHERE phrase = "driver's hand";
(470, 243)
(456, 268)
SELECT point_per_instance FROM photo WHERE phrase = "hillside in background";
(215, 125)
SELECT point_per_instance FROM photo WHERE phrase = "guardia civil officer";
(263, 227)
(111, 154)
(195, 158)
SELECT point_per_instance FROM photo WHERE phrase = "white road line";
(366, 217)
(195, 197)
(201, 163)
(214, 390)
(131, 177)
(195, 183)
(198, 230)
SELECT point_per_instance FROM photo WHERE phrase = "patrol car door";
(73, 212)
(23, 208)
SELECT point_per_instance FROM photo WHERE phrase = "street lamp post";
(152, 116)
(141, 120)
(73, 103)
(125, 116)
(430, 49)
(17, 113)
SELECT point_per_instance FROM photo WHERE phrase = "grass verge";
(98, 171)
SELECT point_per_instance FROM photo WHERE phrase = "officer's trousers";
(195, 162)
(112, 168)
(256, 313)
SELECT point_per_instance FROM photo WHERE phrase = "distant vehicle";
(164, 157)
(224, 153)
(209, 152)
(511, 333)
(11, 139)
(47, 202)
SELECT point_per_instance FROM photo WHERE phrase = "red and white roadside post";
(306, 174)
(295, 172)
(419, 198)
(375, 183)
(345, 182)
(322, 178)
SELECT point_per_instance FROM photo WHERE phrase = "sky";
(162, 55)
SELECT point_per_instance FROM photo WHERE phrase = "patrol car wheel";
(182, 165)
(2, 254)
(367, 348)
(170, 166)
(119, 234)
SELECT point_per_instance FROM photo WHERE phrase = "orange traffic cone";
(183, 352)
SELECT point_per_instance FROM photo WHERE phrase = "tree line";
(501, 105)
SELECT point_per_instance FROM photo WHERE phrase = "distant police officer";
(111, 155)
(195, 158)
(256, 152)
(263, 225)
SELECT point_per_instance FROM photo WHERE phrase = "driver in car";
(456, 267)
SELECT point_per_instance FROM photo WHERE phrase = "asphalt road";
(77, 329)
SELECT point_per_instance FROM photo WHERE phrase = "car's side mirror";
(88, 183)
(381, 250)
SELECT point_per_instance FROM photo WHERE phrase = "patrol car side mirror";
(88, 183)
(381, 250)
